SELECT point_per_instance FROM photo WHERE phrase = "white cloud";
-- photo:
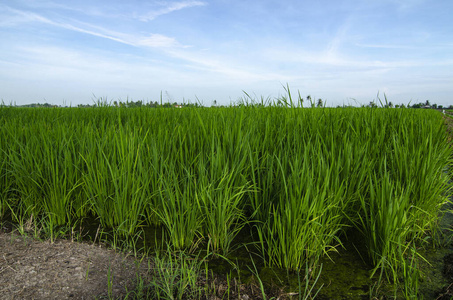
(16, 17)
(158, 41)
(385, 46)
(169, 8)
(153, 41)
(407, 5)
(227, 68)
(338, 61)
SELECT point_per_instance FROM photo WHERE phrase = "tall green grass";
(301, 177)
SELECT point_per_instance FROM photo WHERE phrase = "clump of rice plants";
(178, 211)
(117, 178)
(305, 221)
(5, 184)
(220, 204)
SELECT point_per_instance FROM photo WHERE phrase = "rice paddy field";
(291, 185)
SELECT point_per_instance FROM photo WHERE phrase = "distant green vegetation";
(246, 100)
(302, 178)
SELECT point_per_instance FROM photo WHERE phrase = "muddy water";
(435, 278)
(344, 275)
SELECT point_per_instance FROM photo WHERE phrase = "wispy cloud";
(228, 69)
(154, 40)
(169, 8)
(158, 41)
(338, 62)
(385, 46)
(170, 46)
(406, 5)
(15, 17)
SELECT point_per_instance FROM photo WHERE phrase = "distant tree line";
(39, 105)
(312, 103)
(389, 104)
(139, 103)
(427, 104)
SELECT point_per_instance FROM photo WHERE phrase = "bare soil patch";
(32, 269)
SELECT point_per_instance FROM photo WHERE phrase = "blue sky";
(345, 52)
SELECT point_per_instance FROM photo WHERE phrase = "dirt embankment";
(31, 269)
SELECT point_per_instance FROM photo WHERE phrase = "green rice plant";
(411, 272)
(140, 291)
(59, 177)
(116, 179)
(269, 136)
(179, 214)
(399, 207)
(22, 160)
(24, 220)
(5, 174)
(110, 282)
(157, 163)
(175, 276)
(5, 183)
(385, 223)
(418, 162)
(49, 230)
(265, 180)
(308, 283)
(220, 204)
(260, 282)
(43, 171)
(79, 204)
(305, 222)
(222, 186)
